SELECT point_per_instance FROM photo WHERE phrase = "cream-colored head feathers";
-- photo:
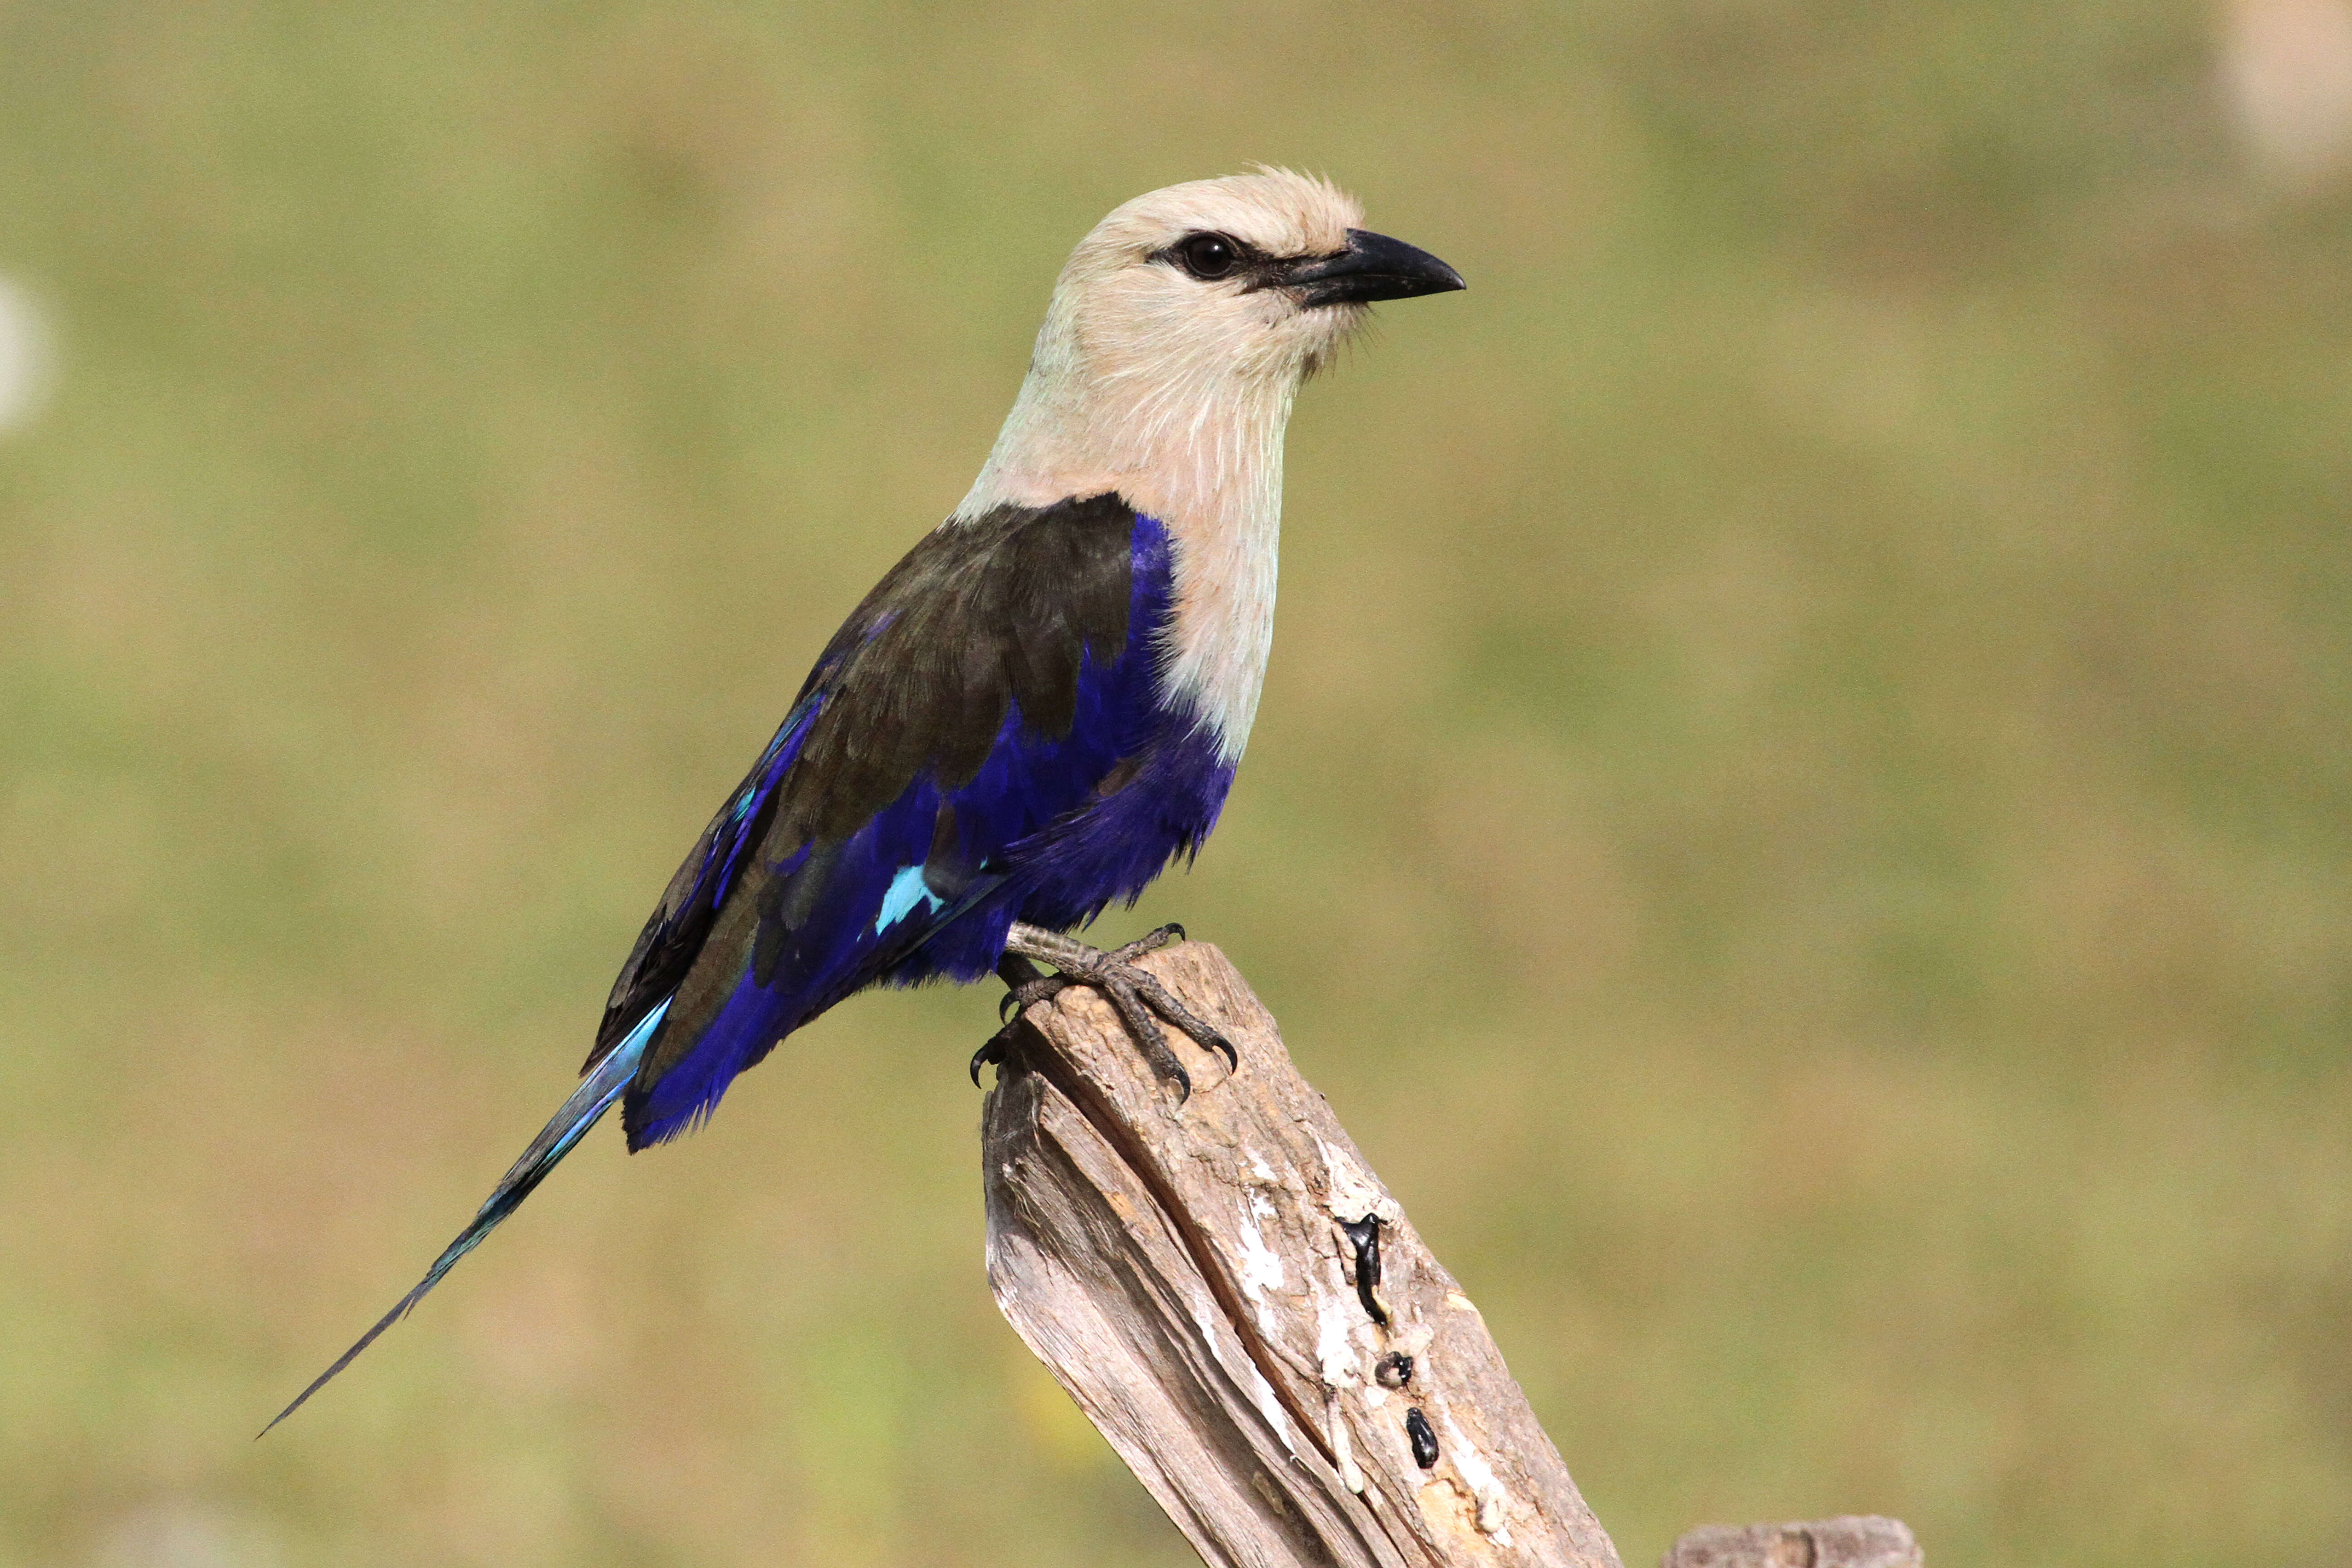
(1134, 319)
(1170, 389)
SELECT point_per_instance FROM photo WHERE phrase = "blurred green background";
(1801, 814)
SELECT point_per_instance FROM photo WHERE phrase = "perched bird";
(1038, 708)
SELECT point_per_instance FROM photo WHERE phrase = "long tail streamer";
(587, 1105)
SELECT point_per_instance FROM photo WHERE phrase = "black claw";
(1023, 983)
(1150, 941)
(1173, 1071)
(992, 1054)
(1170, 1068)
(1201, 1029)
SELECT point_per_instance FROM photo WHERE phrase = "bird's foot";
(1022, 985)
(1135, 994)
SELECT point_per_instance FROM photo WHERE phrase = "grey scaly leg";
(1135, 994)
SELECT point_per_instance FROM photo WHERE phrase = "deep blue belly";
(1104, 853)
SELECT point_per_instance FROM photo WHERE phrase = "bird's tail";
(588, 1103)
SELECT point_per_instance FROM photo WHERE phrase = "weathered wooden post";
(1246, 1314)
(1242, 1309)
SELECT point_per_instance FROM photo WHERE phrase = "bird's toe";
(1150, 941)
(991, 1053)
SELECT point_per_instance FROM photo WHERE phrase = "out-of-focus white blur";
(2286, 71)
(25, 355)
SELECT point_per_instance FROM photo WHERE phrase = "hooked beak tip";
(1372, 267)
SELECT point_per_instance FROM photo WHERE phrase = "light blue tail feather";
(596, 1094)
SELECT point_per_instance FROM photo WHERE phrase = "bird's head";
(1180, 331)
(1256, 278)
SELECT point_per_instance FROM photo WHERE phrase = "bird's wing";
(985, 689)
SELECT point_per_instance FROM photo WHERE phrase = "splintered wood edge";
(1188, 1273)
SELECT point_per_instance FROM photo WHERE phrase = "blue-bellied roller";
(1037, 709)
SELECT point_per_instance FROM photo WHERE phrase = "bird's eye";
(1208, 256)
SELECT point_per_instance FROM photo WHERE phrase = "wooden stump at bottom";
(1242, 1309)
(1244, 1312)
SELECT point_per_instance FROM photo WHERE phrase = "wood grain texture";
(1850, 1541)
(1194, 1276)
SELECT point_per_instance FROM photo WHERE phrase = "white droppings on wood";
(1259, 1168)
(1337, 1314)
(1352, 1196)
(1261, 1265)
(1351, 1474)
(1494, 1502)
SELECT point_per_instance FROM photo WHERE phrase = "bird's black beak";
(1373, 267)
